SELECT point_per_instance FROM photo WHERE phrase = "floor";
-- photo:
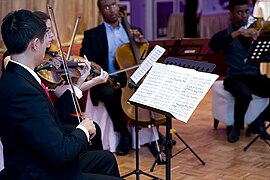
(223, 160)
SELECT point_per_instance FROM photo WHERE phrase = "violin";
(262, 27)
(52, 73)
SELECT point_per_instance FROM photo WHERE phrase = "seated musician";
(243, 79)
(99, 45)
(82, 84)
(69, 122)
(35, 144)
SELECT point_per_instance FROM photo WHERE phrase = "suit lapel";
(104, 42)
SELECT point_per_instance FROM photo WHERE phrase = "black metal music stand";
(260, 50)
(137, 170)
(191, 64)
(197, 65)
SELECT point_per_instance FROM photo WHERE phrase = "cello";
(128, 55)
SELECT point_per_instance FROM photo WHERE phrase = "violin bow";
(69, 81)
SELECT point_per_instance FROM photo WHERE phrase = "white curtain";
(66, 12)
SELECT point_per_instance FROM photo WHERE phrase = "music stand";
(137, 170)
(197, 65)
(260, 52)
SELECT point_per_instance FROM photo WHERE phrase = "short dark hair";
(42, 15)
(98, 4)
(19, 28)
(233, 3)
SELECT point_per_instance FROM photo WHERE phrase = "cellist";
(99, 45)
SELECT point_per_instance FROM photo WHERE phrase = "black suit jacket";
(35, 145)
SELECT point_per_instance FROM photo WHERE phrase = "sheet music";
(174, 89)
(153, 56)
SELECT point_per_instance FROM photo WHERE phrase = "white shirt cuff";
(85, 131)
(78, 92)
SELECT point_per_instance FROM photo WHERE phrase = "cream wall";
(66, 12)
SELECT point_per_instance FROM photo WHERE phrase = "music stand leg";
(137, 171)
(168, 147)
(250, 143)
(179, 137)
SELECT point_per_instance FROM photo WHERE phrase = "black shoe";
(233, 135)
(258, 128)
(252, 130)
(264, 135)
(123, 146)
(229, 129)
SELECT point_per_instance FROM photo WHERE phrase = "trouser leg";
(99, 162)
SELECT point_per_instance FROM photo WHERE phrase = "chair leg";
(216, 123)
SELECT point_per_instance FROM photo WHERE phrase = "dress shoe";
(229, 129)
(123, 146)
(258, 129)
(233, 135)
(252, 129)
(263, 133)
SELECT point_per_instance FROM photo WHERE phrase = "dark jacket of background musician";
(95, 47)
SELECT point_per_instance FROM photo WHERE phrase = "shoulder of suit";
(97, 28)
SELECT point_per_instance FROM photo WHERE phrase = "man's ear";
(34, 43)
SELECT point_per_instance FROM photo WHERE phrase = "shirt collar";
(108, 26)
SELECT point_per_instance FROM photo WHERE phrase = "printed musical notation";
(173, 89)
(152, 57)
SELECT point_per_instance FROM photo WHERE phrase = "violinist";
(35, 144)
(83, 83)
(99, 45)
(70, 122)
(243, 79)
